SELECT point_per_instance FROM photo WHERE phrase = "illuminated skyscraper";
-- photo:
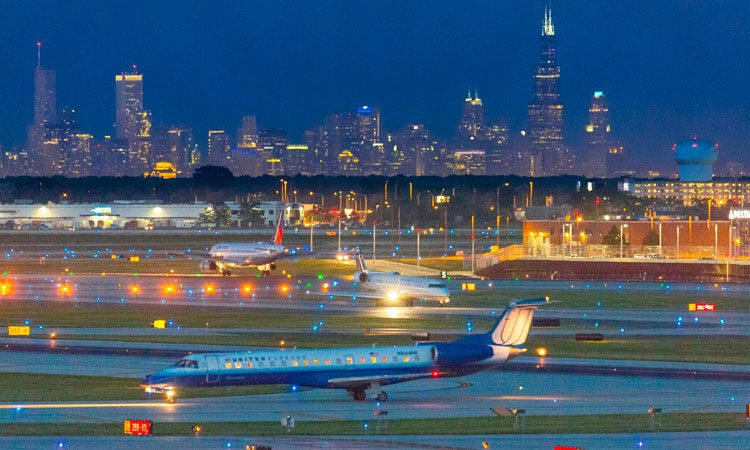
(545, 108)
(132, 122)
(598, 137)
(174, 145)
(472, 126)
(45, 115)
(247, 133)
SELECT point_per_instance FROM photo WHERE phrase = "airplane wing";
(346, 294)
(358, 382)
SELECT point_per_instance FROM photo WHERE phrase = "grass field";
(449, 264)
(80, 314)
(584, 424)
(590, 299)
(699, 349)
(29, 387)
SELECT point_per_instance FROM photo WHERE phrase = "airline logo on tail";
(279, 235)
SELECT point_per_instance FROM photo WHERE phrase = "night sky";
(670, 68)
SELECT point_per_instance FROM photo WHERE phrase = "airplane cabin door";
(212, 376)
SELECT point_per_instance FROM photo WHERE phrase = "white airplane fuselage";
(394, 286)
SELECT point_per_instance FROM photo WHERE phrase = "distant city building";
(164, 170)
(469, 162)
(296, 160)
(735, 170)
(598, 137)
(247, 133)
(368, 146)
(174, 145)
(471, 129)
(132, 122)
(44, 157)
(348, 164)
(272, 145)
(545, 108)
(219, 148)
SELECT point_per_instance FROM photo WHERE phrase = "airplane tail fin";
(279, 234)
(513, 325)
(360, 261)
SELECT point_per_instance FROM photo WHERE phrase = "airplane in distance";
(358, 370)
(393, 288)
(263, 255)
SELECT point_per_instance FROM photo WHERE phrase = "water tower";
(696, 159)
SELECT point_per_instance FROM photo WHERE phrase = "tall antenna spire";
(548, 29)
(38, 54)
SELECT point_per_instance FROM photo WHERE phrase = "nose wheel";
(382, 396)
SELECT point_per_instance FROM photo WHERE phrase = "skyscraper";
(598, 137)
(132, 122)
(471, 129)
(45, 115)
(219, 148)
(545, 108)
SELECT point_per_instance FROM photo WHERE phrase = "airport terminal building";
(132, 215)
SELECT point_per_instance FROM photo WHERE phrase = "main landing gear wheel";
(382, 397)
(225, 273)
(265, 273)
(358, 396)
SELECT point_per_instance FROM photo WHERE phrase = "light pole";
(678, 243)
(729, 256)
(419, 231)
(339, 251)
(374, 233)
(472, 245)
(621, 240)
(312, 225)
(497, 218)
(660, 247)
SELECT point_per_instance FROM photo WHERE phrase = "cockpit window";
(187, 363)
(436, 285)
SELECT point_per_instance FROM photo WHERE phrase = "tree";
(213, 177)
(613, 237)
(652, 238)
(250, 215)
(222, 213)
(207, 216)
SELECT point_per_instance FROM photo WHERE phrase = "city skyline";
(394, 118)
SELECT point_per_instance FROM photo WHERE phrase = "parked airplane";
(263, 255)
(357, 370)
(392, 287)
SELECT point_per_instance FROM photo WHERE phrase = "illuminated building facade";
(598, 137)
(471, 129)
(469, 162)
(43, 154)
(132, 122)
(545, 108)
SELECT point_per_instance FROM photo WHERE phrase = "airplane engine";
(208, 266)
(272, 266)
(363, 278)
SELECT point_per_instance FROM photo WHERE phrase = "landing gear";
(169, 396)
(225, 272)
(358, 395)
(265, 273)
(382, 396)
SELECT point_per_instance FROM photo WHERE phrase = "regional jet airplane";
(358, 370)
(392, 287)
(263, 255)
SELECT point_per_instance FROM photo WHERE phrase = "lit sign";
(739, 214)
(442, 199)
(18, 330)
(138, 427)
(699, 307)
(102, 210)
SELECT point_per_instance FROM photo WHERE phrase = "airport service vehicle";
(263, 255)
(393, 288)
(358, 370)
